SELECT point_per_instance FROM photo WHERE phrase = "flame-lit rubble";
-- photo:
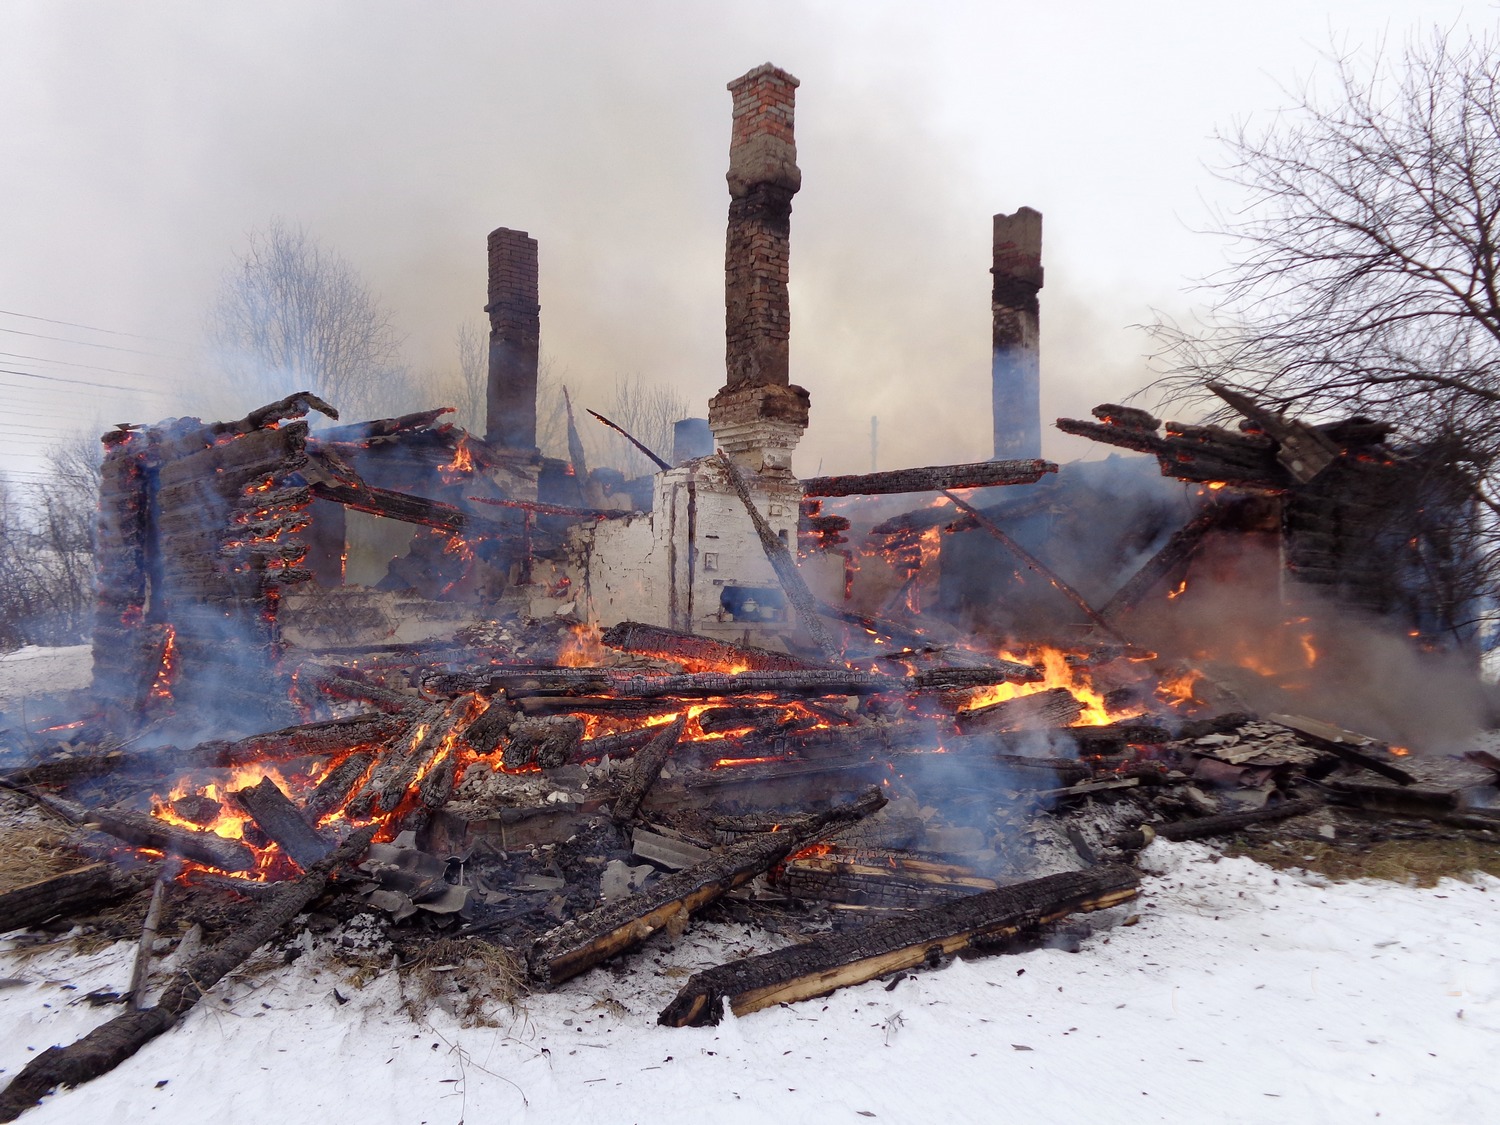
(535, 784)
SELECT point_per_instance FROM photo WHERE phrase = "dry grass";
(470, 976)
(32, 849)
(1419, 863)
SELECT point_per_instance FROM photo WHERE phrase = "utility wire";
(85, 366)
(86, 343)
(89, 327)
(81, 382)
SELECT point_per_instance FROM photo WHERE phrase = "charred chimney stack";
(1016, 359)
(758, 416)
(515, 334)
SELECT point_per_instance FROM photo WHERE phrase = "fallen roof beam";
(979, 474)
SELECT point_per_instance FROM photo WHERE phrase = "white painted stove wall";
(671, 568)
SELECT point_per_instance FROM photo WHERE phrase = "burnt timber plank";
(820, 966)
(978, 474)
(645, 768)
(273, 811)
(578, 945)
(653, 640)
(67, 894)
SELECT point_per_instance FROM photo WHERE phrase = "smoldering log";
(145, 831)
(824, 964)
(432, 744)
(110, 1044)
(281, 820)
(653, 640)
(622, 744)
(332, 736)
(645, 769)
(1206, 826)
(1056, 707)
(546, 743)
(394, 763)
(486, 733)
(69, 894)
(338, 785)
(540, 706)
(760, 720)
(578, 945)
(336, 683)
(980, 474)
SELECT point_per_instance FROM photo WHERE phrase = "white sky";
(142, 141)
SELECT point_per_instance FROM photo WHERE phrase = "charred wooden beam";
(537, 508)
(338, 785)
(293, 406)
(408, 508)
(359, 432)
(645, 768)
(1032, 562)
(623, 744)
(545, 743)
(1356, 749)
(331, 736)
(395, 763)
(1301, 450)
(68, 894)
(1056, 707)
(340, 685)
(1171, 559)
(653, 640)
(818, 967)
(578, 945)
(618, 707)
(979, 474)
(276, 816)
(1204, 827)
(661, 464)
(782, 563)
(110, 1044)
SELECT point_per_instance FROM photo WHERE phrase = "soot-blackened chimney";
(758, 417)
(515, 335)
(1016, 360)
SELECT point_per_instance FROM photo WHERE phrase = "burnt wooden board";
(818, 967)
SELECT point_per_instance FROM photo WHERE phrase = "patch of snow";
(1242, 995)
(42, 671)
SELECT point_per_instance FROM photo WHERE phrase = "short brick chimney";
(515, 334)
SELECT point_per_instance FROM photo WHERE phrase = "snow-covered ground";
(1242, 995)
(34, 671)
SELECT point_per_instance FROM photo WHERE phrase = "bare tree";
(472, 343)
(649, 411)
(293, 315)
(1364, 273)
(46, 551)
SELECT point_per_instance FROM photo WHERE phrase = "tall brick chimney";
(515, 334)
(758, 417)
(1016, 362)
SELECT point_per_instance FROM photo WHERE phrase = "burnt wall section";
(1015, 369)
(515, 339)
(127, 653)
(199, 530)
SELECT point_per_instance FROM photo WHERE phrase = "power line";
(85, 366)
(86, 343)
(81, 382)
(89, 327)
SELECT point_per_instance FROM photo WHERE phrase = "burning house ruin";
(573, 712)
